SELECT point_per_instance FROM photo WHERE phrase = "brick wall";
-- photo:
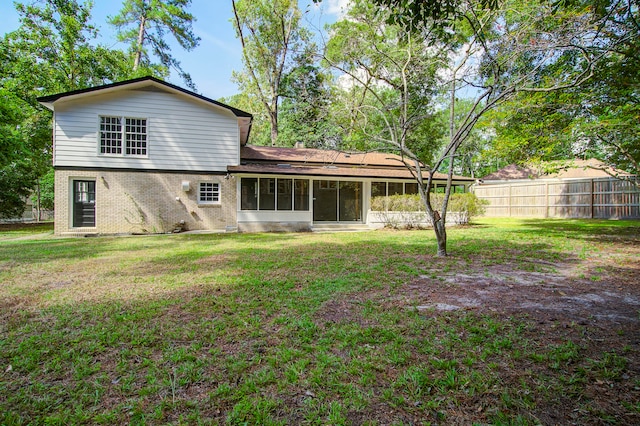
(145, 202)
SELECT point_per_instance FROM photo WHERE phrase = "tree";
(490, 54)
(270, 33)
(598, 119)
(16, 184)
(388, 82)
(51, 52)
(260, 124)
(306, 100)
(143, 24)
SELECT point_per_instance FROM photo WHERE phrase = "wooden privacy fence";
(601, 198)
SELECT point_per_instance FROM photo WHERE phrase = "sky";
(219, 53)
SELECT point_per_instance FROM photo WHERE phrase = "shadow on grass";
(595, 229)
(231, 318)
(51, 248)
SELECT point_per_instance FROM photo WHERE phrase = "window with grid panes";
(136, 136)
(133, 133)
(209, 193)
(110, 135)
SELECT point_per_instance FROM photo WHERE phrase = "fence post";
(592, 196)
(546, 199)
(509, 200)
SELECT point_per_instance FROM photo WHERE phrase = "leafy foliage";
(144, 23)
(51, 52)
(46, 188)
(415, 15)
(270, 32)
(305, 109)
(598, 119)
(466, 203)
(388, 83)
(16, 183)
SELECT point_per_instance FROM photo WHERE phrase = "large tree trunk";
(273, 115)
(138, 57)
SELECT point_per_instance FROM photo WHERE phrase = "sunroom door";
(335, 201)
(325, 200)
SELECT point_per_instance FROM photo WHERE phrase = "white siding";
(183, 133)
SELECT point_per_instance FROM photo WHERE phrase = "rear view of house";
(145, 156)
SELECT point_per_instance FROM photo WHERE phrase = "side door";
(84, 203)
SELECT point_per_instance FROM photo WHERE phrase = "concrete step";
(339, 227)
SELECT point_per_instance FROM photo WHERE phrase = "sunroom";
(297, 189)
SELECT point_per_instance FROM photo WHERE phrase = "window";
(301, 195)
(274, 194)
(110, 135)
(396, 188)
(134, 134)
(410, 188)
(285, 188)
(249, 194)
(209, 193)
(267, 194)
(378, 189)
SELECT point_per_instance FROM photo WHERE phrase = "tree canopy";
(271, 33)
(144, 23)
(52, 51)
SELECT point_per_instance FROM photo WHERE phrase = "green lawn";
(302, 329)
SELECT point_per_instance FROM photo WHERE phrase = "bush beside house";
(408, 211)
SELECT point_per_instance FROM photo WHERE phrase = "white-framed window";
(274, 194)
(209, 193)
(118, 131)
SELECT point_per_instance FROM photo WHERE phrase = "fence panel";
(602, 198)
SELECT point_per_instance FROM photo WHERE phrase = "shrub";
(461, 208)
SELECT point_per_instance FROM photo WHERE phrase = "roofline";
(344, 175)
(367, 173)
(50, 99)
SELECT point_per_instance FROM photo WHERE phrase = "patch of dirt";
(338, 310)
(541, 295)
(593, 302)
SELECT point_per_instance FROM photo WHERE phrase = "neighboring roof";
(317, 162)
(574, 169)
(591, 168)
(49, 100)
(512, 172)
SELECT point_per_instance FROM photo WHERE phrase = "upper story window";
(209, 193)
(115, 130)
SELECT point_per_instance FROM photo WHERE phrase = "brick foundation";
(145, 202)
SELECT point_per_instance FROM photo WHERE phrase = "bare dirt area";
(540, 295)
(593, 302)
(602, 292)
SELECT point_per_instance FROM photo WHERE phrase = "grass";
(281, 329)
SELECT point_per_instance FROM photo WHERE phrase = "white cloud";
(230, 44)
(338, 7)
